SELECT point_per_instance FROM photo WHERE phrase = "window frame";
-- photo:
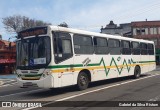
(144, 51)
(113, 49)
(135, 51)
(113, 39)
(82, 35)
(126, 51)
(56, 34)
(151, 51)
(96, 46)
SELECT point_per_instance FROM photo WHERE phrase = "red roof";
(7, 43)
(146, 24)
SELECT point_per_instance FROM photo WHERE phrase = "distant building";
(149, 30)
(7, 56)
(113, 29)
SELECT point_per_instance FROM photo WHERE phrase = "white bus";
(52, 57)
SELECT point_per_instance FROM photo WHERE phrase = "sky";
(81, 14)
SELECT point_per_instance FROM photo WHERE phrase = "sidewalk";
(8, 76)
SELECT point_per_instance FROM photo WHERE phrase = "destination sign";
(33, 32)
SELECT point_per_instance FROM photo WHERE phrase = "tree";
(63, 24)
(18, 23)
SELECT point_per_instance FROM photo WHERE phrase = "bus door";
(63, 57)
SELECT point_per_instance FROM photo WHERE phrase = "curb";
(7, 76)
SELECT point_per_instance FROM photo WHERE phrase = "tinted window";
(125, 44)
(113, 43)
(100, 45)
(114, 47)
(150, 46)
(135, 48)
(135, 45)
(126, 50)
(150, 49)
(143, 49)
(83, 44)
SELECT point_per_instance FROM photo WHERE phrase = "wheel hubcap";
(83, 80)
(138, 73)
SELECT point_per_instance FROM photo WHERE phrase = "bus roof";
(78, 31)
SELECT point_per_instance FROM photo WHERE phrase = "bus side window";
(114, 47)
(100, 45)
(135, 48)
(143, 49)
(150, 49)
(83, 44)
(126, 50)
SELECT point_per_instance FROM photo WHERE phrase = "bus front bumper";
(46, 82)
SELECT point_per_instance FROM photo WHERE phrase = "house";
(7, 56)
(148, 30)
(113, 29)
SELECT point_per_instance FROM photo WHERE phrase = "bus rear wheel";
(137, 72)
(82, 81)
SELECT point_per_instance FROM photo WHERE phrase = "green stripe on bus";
(119, 70)
(96, 64)
(146, 61)
(102, 62)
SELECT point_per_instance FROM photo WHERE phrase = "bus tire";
(82, 81)
(137, 72)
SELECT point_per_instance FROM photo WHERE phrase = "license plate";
(28, 84)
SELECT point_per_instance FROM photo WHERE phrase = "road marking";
(155, 98)
(12, 84)
(9, 81)
(107, 87)
(1, 83)
(70, 97)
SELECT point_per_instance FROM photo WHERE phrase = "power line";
(145, 9)
(133, 14)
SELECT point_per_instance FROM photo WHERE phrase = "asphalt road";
(146, 88)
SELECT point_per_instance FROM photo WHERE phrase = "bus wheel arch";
(137, 71)
(83, 79)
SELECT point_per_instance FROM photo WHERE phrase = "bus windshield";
(33, 53)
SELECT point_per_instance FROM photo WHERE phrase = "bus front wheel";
(137, 72)
(82, 81)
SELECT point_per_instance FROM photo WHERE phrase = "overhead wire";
(135, 11)
(131, 14)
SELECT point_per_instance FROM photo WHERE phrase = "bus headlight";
(19, 75)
